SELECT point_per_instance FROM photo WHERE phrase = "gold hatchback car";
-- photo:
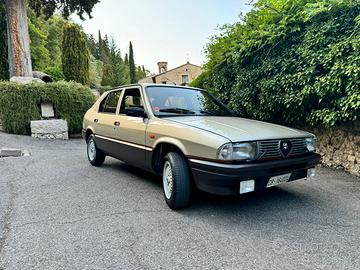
(192, 140)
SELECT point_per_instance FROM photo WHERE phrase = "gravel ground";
(58, 212)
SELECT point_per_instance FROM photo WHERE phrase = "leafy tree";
(55, 25)
(75, 55)
(48, 7)
(40, 55)
(132, 66)
(17, 24)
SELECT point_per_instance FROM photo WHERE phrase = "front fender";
(172, 141)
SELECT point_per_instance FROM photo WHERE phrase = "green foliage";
(103, 89)
(126, 59)
(40, 56)
(55, 72)
(289, 61)
(109, 64)
(4, 69)
(96, 72)
(132, 66)
(140, 73)
(20, 104)
(48, 7)
(46, 42)
(115, 72)
(54, 28)
(75, 55)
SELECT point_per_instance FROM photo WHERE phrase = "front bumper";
(224, 179)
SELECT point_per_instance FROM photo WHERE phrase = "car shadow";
(279, 200)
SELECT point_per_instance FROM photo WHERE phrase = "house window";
(185, 79)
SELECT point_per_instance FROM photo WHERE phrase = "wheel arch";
(88, 132)
(161, 149)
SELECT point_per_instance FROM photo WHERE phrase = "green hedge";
(19, 104)
(294, 62)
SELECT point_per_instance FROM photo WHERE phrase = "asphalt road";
(58, 212)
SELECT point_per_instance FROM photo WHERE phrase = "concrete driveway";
(58, 212)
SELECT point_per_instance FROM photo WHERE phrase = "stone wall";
(340, 147)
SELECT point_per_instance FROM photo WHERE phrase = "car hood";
(239, 129)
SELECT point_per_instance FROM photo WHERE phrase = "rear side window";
(109, 104)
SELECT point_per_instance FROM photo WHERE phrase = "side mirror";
(135, 112)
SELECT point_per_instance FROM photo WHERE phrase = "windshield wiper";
(207, 113)
(177, 110)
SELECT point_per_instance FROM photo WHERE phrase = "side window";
(102, 104)
(131, 98)
(109, 104)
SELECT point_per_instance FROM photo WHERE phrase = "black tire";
(180, 194)
(99, 157)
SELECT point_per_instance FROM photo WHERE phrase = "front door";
(131, 130)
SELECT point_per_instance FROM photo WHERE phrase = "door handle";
(96, 120)
(116, 123)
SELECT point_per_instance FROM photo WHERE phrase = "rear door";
(105, 122)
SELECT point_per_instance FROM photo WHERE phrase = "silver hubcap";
(91, 150)
(167, 180)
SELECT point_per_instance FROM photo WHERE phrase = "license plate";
(277, 180)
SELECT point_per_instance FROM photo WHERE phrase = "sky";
(174, 31)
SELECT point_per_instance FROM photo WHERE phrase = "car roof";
(152, 85)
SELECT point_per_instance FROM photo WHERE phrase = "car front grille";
(270, 149)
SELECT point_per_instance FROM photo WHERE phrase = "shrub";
(19, 104)
(290, 61)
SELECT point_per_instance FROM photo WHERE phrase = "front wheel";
(176, 181)
(95, 155)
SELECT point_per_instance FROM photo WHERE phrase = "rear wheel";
(96, 156)
(176, 181)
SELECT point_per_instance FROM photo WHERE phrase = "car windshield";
(174, 101)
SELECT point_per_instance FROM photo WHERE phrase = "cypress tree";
(75, 55)
(4, 69)
(126, 59)
(132, 66)
(99, 47)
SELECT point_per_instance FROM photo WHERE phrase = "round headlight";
(237, 151)
(310, 144)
